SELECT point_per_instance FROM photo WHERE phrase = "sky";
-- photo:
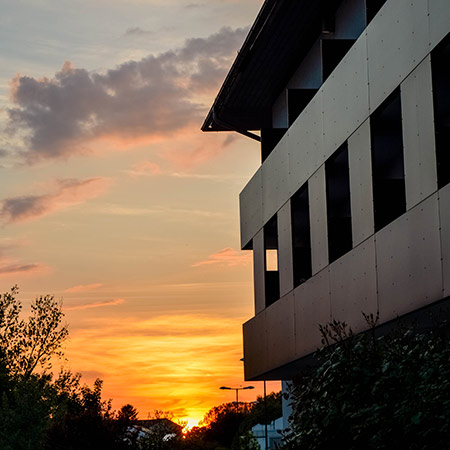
(114, 201)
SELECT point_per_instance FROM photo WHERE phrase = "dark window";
(269, 140)
(298, 99)
(372, 8)
(301, 239)
(388, 175)
(333, 50)
(440, 64)
(271, 278)
(339, 217)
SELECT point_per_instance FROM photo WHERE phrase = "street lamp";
(237, 390)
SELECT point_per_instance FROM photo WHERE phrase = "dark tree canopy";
(39, 411)
(32, 343)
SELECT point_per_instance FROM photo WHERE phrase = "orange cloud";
(65, 193)
(84, 287)
(227, 257)
(117, 301)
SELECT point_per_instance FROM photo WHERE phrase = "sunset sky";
(114, 201)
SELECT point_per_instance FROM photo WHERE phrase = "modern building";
(351, 102)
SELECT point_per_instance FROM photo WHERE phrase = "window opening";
(339, 217)
(388, 175)
(333, 50)
(440, 67)
(271, 275)
(301, 236)
(372, 8)
(298, 99)
(269, 140)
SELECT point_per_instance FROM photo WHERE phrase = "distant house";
(351, 102)
(161, 430)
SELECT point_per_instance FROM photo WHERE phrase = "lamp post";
(237, 392)
(266, 439)
(237, 401)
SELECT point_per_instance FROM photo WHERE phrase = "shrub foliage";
(369, 392)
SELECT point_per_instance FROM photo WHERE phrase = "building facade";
(349, 212)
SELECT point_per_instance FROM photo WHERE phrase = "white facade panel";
(444, 213)
(255, 345)
(285, 263)
(312, 308)
(345, 97)
(361, 195)
(353, 286)
(409, 261)
(318, 220)
(275, 179)
(251, 210)
(397, 40)
(306, 143)
(418, 135)
(259, 268)
(439, 20)
(280, 331)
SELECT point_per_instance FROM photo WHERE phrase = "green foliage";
(32, 343)
(373, 392)
(245, 441)
(38, 412)
(87, 422)
(25, 409)
(265, 411)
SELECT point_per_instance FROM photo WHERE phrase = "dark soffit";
(280, 38)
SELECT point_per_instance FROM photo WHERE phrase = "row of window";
(330, 51)
(388, 181)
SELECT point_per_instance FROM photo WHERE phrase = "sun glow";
(190, 424)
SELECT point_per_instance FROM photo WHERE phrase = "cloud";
(84, 287)
(170, 213)
(10, 265)
(227, 257)
(65, 193)
(150, 169)
(117, 301)
(20, 268)
(138, 100)
(137, 31)
(145, 168)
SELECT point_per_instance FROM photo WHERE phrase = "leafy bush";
(369, 392)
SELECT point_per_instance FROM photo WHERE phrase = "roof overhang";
(280, 38)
